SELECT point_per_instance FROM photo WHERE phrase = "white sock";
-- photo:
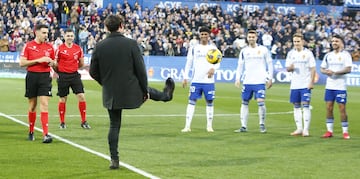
(262, 112)
(209, 115)
(298, 118)
(345, 129)
(307, 118)
(330, 124)
(244, 113)
(345, 126)
(189, 115)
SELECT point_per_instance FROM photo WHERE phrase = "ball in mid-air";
(214, 56)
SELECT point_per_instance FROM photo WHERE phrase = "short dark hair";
(69, 30)
(204, 29)
(40, 26)
(339, 37)
(113, 22)
(252, 32)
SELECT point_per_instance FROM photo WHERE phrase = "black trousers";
(115, 121)
(157, 95)
(114, 131)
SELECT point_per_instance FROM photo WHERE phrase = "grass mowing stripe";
(132, 168)
(161, 115)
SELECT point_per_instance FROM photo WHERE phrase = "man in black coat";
(118, 66)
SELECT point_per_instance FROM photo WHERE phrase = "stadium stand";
(170, 31)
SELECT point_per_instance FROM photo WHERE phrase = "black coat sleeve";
(139, 67)
(94, 67)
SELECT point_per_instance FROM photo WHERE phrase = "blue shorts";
(249, 90)
(196, 90)
(340, 96)
(300, 95)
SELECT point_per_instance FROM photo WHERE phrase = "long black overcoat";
(118, 66)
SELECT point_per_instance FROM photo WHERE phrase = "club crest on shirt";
(76, 57)
(339, 58)
(303, 56)
(34, 48)
(259, 52)
(199, 53)
(47, 54)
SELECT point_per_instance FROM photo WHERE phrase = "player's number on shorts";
(192, 89)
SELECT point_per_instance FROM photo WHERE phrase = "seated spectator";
(267, 40)
(83, 38)
(91, 44)
(356, 54)
(170, 50)
(159, 48)
(147, 47)
(4, 43)
(194, 40)
(275, 49)
(229, 52)
(19, 44)
(57, 42)
(12, 45)
(180, 50)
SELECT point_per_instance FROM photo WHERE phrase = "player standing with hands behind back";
(70, 58)
(255, 67)
(37, 56)
(301, 62)
(203, 79)
(336, 64)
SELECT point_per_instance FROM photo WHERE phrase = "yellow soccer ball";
(214, 56)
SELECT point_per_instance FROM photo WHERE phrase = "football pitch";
(152, 146)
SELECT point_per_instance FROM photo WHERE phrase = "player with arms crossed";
(301, 63)
(70, 58)
(256, 69)
(336, 64)
(38, 56)
(202, 81)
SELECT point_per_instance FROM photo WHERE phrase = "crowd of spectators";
(170, 32)
(307, 2)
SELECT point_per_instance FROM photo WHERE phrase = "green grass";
(151, 140)
(23, 159)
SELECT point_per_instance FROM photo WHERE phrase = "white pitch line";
(164, 115)
(132, 168)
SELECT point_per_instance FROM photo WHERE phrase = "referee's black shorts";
(38, 84)
(69, 80)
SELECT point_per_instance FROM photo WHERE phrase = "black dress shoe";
(169, 87)
(114, 164)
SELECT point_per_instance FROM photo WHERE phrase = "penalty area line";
(132, 168)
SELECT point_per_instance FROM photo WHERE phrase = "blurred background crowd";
(170, 32)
